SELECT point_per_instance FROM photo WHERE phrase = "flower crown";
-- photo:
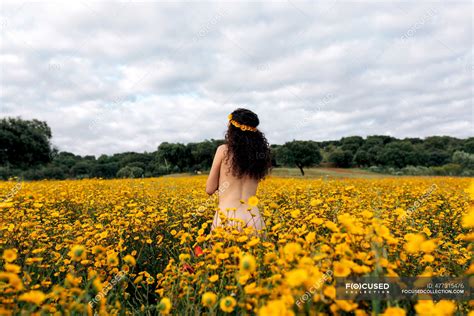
(241, 126)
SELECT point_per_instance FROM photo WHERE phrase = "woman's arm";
(212, 183)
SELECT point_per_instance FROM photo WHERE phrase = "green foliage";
(23, 143)
(362, 158)
(468, 145)
(299, 153)
(466, 160)
(351, 144)
(130, 172)
(397, 154)
(26, 151)
(341, 158)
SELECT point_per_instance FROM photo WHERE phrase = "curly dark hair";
(248, 151)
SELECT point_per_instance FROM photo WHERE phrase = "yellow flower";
(6, 205)
(269, 258)
(97, 250)
(429, 308)
(223, 256)
(150, 280)
(471, 269)
(341, 269)
(468, 219)
(129, 259)
(78, 253)
(428, 246)
(330, 291)
(10, 255)
(311, 237)
(12, 279)
(296, 277)
(470, 190)
(183, 257)
(315, 202)
(213, 278)
(14, 268)
(227, 304)
(346, 306)
(229, 116)
(247, 264)
(112, 259)
(445, 308)
(165, 306)
(242, 238)
(243, 278)
(72, 281)
(98, 286)
(414, 242)
(253, 201)
(295, 213)
(394, 311)
(331, 225)
(35, 297)
(291, 249)
(254, 241)
(209, 299)
(275, 308)
(138, 279)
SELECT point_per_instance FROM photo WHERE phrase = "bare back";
(234, 193)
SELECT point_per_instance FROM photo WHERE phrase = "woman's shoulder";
(222, 148)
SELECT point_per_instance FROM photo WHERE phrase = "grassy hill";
(325, 173)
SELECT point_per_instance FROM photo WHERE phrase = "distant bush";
(160, 170)
(341, 158)
(450, 169)
(464, 159)
(130, 172)
(416, 170)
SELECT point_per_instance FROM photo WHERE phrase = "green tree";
(130, 172)
(464, 159)
(437, 157)
(341, 158)
(301, 154)
(397, 154)
(362, 158)
(174, 155)
(24, 143)
(202, 154)
(82, 169)
(352, 143)
(468, 145)
(105, 170)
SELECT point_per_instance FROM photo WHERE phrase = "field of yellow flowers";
(142, 246)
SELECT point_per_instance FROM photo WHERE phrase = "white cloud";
(111, 77)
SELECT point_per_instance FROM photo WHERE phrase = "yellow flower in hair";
(241, 126)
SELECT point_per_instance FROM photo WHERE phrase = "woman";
(238, 166)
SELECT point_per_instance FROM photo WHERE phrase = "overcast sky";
(111, 77)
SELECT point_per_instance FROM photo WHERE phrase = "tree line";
(26, 151)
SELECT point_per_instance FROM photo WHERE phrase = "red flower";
(198, 251)
(187, 268)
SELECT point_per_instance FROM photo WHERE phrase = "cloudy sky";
(124, 76)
